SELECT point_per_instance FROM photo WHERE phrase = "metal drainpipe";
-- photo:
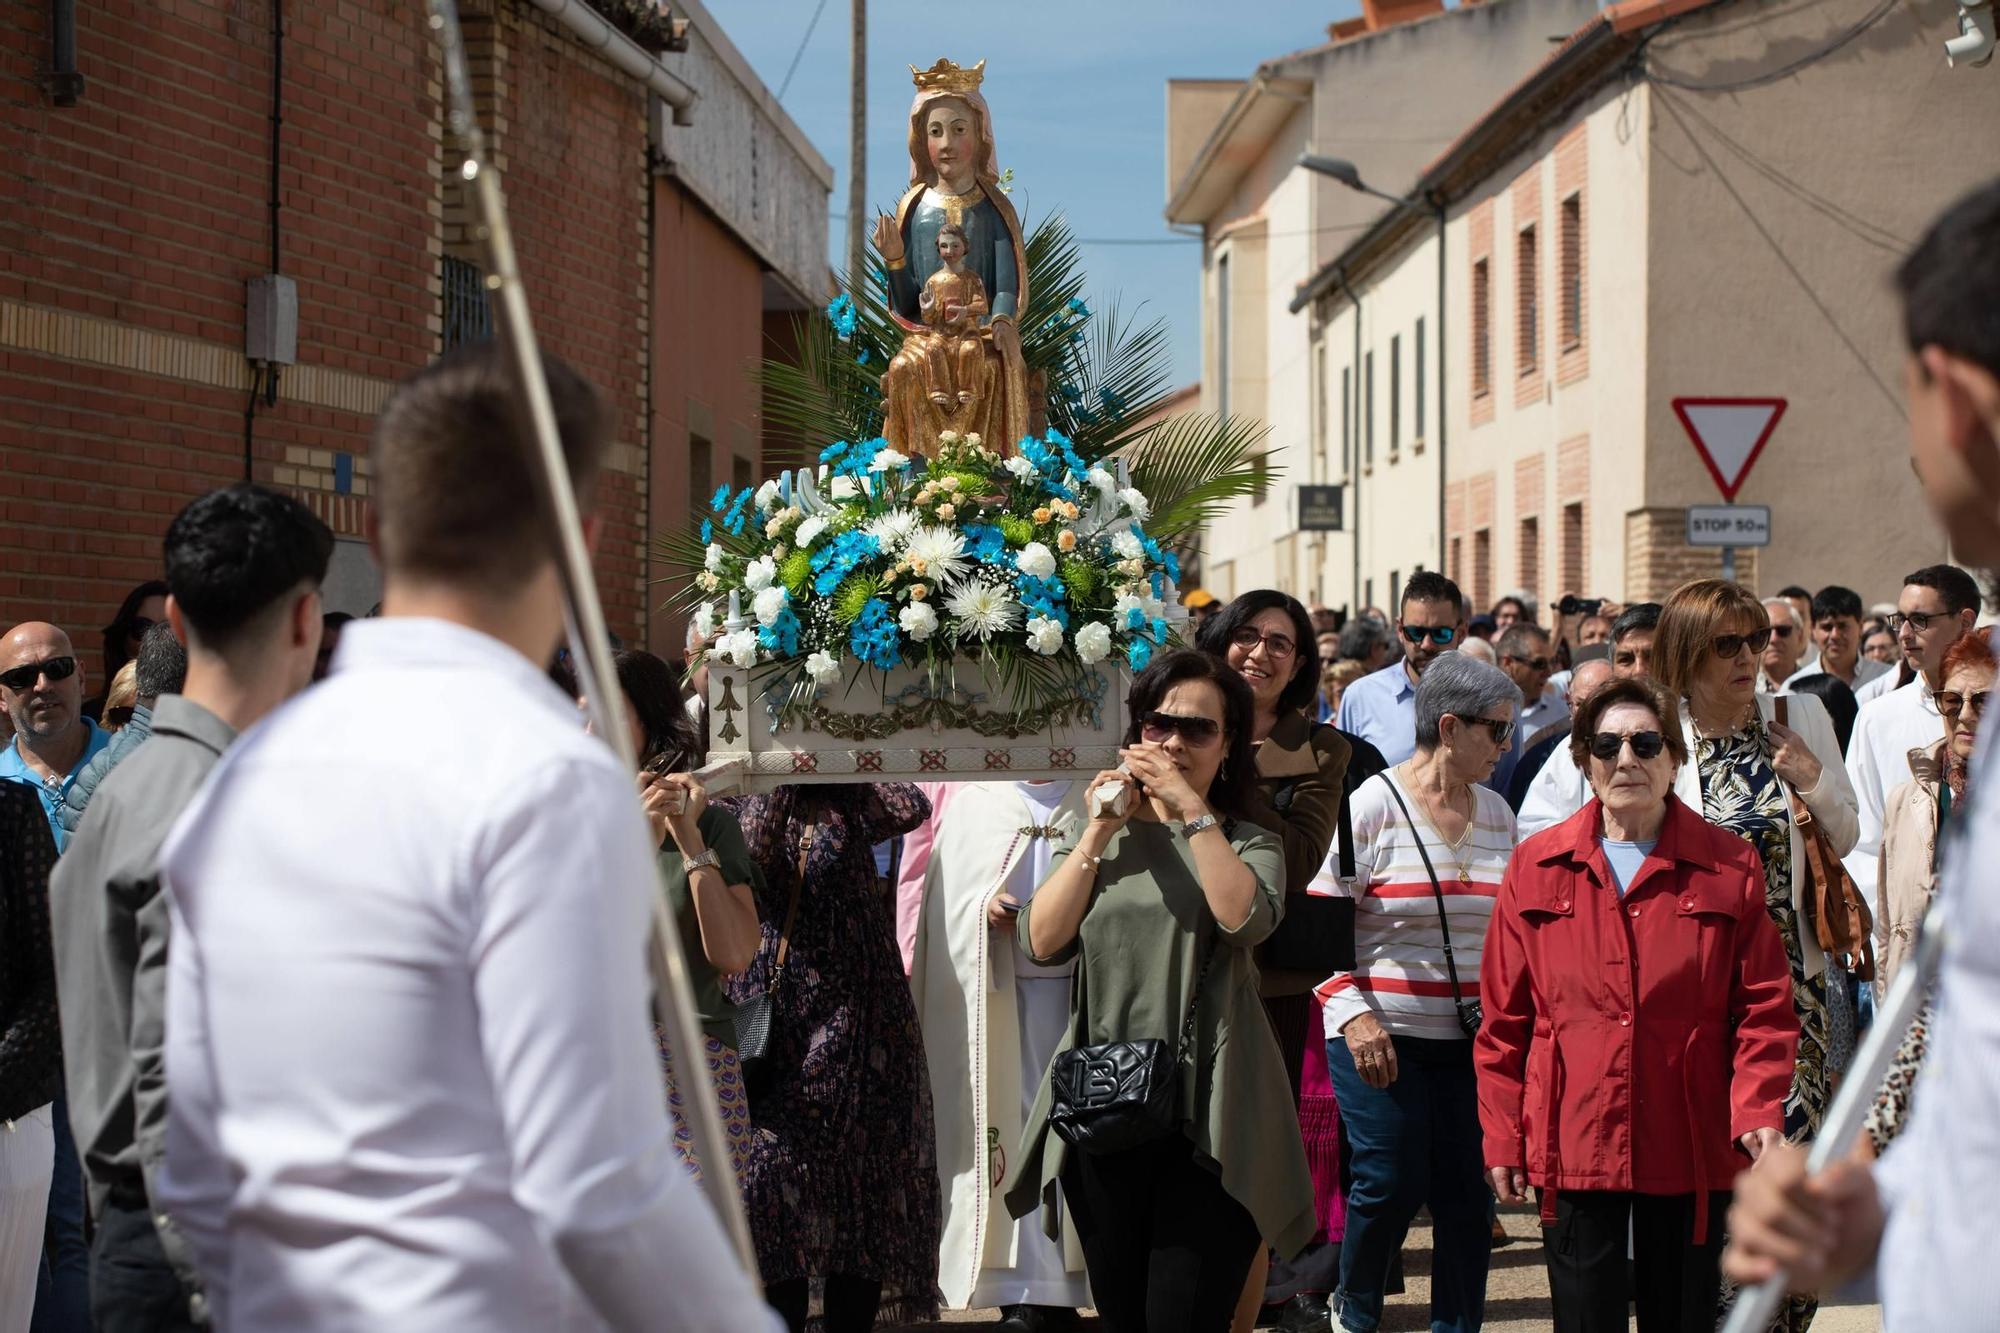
(65, 83)
(1444, 540)
(1351, 458)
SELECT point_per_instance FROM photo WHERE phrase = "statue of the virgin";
(955, 183)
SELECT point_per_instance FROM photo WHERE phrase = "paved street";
(1517, 1292)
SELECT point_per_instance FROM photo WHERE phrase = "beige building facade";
(1688, 199)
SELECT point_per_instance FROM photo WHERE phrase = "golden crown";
(948, 77)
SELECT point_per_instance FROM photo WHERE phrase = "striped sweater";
(1399, 972)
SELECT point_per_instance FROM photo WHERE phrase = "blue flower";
(707, 532)
(720, 498)
(1159, 630)
(1135, 620)
(861, 357)
(874, 636)
(1077, 307)
(738, 512)
(1139, 654)
(985, 543)
(839, 557)
(1050, 465)
(1166, 560)
(852, 460)
(841, 312)
(1045, 597)
(781, 636)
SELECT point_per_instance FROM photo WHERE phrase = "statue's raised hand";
(888, 239)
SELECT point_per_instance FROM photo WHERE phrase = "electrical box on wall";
(271, 328)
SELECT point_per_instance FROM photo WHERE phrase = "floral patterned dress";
(842, 1176)
(1740, 792)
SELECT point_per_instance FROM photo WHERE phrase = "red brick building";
(132, 220)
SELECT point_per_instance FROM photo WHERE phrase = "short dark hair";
(335, 620)
(118, 647)
(1646, 615)
(1234, 782)
(1214, 636)
(1794, 590)
(1628, 690)
(1950, 284)
(235, 553)
(1957, 587)
(1834, 601)
(1520, 608)
(653, 692)
(1427, 585)
(455, 490)
(1359, 637)
(161, 664)
(1515, 640)
(1840, 703)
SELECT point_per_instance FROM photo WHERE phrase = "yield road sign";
(1729, 525)
(1729, 433)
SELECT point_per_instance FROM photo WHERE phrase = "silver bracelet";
(1199, 824)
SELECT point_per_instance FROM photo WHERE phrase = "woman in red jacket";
(1639, 1033)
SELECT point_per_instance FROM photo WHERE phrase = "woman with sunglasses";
(1638, 1036)
(1266, 637)
(1431, 845)
(1160, 904)
(1744, 768)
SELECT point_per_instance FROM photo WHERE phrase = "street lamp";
(1340, 169)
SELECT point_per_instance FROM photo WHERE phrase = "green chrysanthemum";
(1080, 579)
(795, 571)
(852, 595)
(1017, 531)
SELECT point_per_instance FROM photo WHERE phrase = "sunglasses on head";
(1951, 703)
(24, 677)
(1606, 745)
(1728, 645)
(1437, 634)
(1500, 729)
(1156, 727)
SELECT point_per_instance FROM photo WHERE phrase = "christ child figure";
(952, 302)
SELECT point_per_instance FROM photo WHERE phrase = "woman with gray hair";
(1431, 846)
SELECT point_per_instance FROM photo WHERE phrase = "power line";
(1673, 80)
(798, 54)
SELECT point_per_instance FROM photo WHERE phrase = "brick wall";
(130, 223)
(1570, 253)
(1658, 560)
(1528, 287)
(1482, 347)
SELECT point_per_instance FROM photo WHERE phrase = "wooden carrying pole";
(590, 644)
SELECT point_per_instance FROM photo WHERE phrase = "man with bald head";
(41, 691)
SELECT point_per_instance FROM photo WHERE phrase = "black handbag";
(1122, 1094)
(751, 1020)
(1470, 1013)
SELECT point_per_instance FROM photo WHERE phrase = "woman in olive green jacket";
(1161, 908)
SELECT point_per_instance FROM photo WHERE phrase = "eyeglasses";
(1916, 620)
(1783, 631)
(1500, 729)
(1951, 703)
(1196, 731)
(24, 677)
(1276, 646)
(1607, 745)
(1728, 645)
(1532, 663)
(1437, 634)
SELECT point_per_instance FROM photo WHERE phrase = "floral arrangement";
(1037, 565)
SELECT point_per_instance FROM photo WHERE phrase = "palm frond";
(833, 391)
(1190, 467)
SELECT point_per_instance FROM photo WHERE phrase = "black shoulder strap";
(1437, 889)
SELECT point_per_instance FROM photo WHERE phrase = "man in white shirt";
(1836, 630)
(1921, 1217)
(1937, 607)
(413, 1080)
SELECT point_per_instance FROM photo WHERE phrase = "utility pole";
(857, 146)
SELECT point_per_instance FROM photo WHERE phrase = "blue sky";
(1078, 93)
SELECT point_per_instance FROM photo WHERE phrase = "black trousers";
(1166, 1246)
(133, 1289)
(1673, 1282)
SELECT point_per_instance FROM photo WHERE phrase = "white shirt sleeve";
(1369, 808)
(1864, 774)
(1557, 792)
(194, 1182)
(562, 885)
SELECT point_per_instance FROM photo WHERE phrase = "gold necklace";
(1464, 872)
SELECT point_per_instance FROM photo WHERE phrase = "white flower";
(887, 459)
(704, 619)
(809, 531)
(1106, 485)
(918, 621)
(973, 440)
(712, 558)
(769, 603)
(1093, 642)
(1150, 608)
(763, 571)
(1045, 636)
(740, 647)
(708, 582)
(942, 552)
(1022, 468)
(1135, 501)
(894, 528)
(768, 495)
(1127, 545)
(983, 610)
(845, 488)
(824, 668)
(950, 437)
(1036, 560)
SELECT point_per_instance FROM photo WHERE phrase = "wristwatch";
(708, 860)
(1199, 824)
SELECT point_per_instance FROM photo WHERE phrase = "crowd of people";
(325, 1002)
